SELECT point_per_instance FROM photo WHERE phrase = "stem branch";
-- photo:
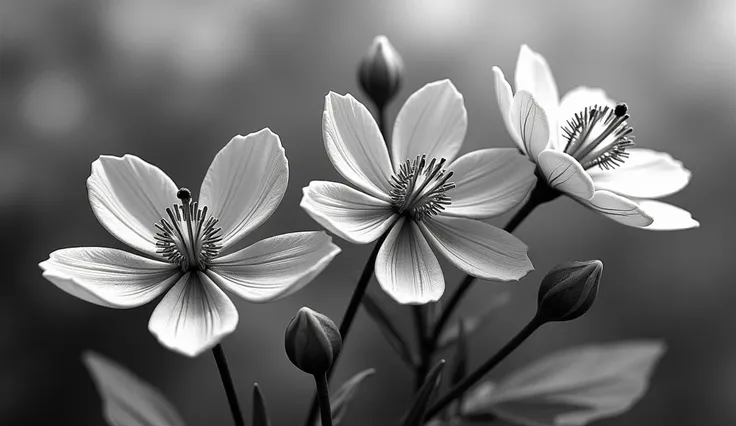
(323, 396)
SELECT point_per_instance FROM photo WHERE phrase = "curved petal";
(194, 315)
(406, 268)
(245, 183)
(530, 123)
(565, 174)
(534, 76)
(355, 146)
(109, 277)
(667, 217)
(350, 214)
(645, 174)
(489, 182)
(478, 248)
(129, 196)
(504, 96)
(618, 208)
(275, 267)
(432, 122)
(576, 101)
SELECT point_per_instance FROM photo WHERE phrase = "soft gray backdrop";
(172, 81)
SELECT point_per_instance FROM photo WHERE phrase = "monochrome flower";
(583, 147)
(189, 244)
(425, 198)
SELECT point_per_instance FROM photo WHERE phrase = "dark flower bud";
(381, 72)
(568, 290)
(312, 341)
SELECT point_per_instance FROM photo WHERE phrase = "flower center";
(418, 188)
(599, 136)
(188, 237)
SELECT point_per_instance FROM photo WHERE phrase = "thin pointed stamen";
(599, 136)
(418, 187)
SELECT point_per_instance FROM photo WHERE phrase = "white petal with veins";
(109, 277)
(275, 267)
(565, 174)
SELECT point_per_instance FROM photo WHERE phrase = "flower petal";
(576, 101)
(618, 208)
(530, 123)
(355, 146)
(644, 174)
(109, 277)
(127, 399)
(666, 216)
(245, 183)
(432, 122)
(194, 315)
(565, 174)
(489, 182)
(275, 267)
(478, 248)
(505, 97)
(350, 214)
(406, 268)
(128, 196)
(534, 76)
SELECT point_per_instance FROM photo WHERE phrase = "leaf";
(571, 387)
(128, 400)
(415, 415)
(260, 413)
(472, 324)
(340, 399)
(389, 331)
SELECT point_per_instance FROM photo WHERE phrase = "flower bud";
(568, 290)
(381, 72)
(312, 341)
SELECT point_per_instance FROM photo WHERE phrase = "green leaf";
(415, 415)
(389, 331)
(260, 413)
(340, 399)
(472, 324)
(128, 400)
(571, 387)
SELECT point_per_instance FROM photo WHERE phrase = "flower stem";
(227, 383)
(492, 362)
(323, 396)
(424, 351)
(350, 312)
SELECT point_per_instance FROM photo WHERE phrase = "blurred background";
(172, 81)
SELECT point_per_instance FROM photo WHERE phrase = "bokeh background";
(172, 81)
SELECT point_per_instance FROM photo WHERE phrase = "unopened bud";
(381, 72)
(569, 290)
(312, 341)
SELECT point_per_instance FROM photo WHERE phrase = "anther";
(621, 109)
(184, 194)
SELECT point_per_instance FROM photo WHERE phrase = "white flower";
(187, 254)
(583, 147)
(423, 199)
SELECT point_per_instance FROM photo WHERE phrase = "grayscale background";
(172, 81)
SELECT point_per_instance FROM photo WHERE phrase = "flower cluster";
(415, 196)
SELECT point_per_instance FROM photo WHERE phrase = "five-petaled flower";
(422, 199)
(189, 244)
(583, 147)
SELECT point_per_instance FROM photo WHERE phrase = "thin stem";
(484, 369)
(424, 350)
(323, 396)
(451, 304)
(383, 123)
(227, 383)
(350, 312)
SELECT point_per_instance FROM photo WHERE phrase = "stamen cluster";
(200, 243)
(418, 188)
(599, 136)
